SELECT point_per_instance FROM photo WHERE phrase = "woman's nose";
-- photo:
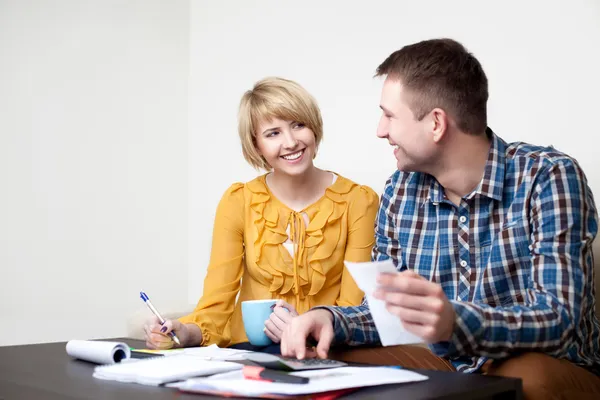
(290, 141)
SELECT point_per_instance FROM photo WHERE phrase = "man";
(492, 240)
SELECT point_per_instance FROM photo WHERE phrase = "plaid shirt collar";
(492, 183)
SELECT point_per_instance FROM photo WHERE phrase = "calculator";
(272, 361)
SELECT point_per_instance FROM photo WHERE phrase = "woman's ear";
(255, 144)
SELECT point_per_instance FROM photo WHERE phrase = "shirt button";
(463, 263)
(462, 219)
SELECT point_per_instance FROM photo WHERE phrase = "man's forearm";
(483, 330)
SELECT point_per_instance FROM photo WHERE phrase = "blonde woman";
(285, 234)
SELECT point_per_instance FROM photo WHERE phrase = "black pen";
(271, 375)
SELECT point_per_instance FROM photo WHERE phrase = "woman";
(284, 235)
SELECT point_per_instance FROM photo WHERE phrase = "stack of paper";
(334, 379)
(212, 352)
(159, 370)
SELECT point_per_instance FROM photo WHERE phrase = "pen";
(146, 299)
(271, 375)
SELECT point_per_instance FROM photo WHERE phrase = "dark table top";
(45, 371)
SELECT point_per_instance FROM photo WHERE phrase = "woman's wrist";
(193, 335)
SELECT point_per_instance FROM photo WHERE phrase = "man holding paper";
(492, 240)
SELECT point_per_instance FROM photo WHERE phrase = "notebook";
(160, 370)
(99, 352)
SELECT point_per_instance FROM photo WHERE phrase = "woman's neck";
(299, 191)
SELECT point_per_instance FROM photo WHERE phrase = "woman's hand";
(157, 335)
(281, 316)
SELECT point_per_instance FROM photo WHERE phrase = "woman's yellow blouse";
(248, 257)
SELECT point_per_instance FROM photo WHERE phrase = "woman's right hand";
(157, 337)
(282, 315)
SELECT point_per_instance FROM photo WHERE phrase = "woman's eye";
(298, 125)
(272, 133)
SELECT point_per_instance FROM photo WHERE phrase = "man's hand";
(420, 304)
(318, 324)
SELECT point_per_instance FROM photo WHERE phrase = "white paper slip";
(390, 328)
(320, 381)
(159, 370)
(214, 352)
(98, 352)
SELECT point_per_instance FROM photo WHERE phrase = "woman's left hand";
(282, 314)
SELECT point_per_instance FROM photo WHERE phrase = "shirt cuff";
(340, 324)
(467, 326)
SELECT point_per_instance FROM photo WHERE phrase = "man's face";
(412, 140)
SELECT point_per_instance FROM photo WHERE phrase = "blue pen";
(146, 299)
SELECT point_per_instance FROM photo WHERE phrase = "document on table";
(212, 352)
(390, 328)
(216, 353)
(324, 380)
(158, 370)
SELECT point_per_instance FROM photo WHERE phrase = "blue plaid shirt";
(514, 257)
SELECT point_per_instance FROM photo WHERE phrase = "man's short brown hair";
(441, 73)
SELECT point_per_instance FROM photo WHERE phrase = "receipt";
(390, 328)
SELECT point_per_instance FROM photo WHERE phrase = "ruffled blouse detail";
(303, 273)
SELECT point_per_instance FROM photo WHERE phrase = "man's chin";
(405, 167)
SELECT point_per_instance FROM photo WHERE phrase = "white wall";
(541, 58)
(93, 164)
(101, 191)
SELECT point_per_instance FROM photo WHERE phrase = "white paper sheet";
(320, 381)
(159, 370)
(97, 351)
(390, 328)
(212, 352)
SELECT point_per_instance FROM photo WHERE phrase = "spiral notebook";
(161, 370)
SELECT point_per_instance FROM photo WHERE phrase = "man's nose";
(382, 129)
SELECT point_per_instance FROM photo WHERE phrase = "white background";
(542, 60)
(93, 164)
(118, 127)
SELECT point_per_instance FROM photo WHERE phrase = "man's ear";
(439, 124)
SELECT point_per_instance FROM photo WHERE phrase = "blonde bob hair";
(275, 98)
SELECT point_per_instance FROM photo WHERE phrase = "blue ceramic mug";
(254, 315)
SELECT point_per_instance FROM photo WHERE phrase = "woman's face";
(288, 146)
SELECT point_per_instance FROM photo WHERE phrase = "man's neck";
(462, 165)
